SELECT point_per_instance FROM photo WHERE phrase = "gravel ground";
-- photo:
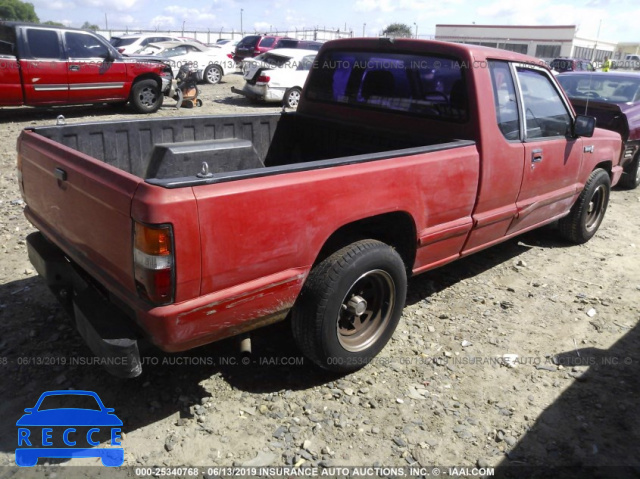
(441, 393)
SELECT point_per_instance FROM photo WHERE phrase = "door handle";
(60, 174)
(536, 155)
(74, 68)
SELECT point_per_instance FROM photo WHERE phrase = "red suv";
(254, 45)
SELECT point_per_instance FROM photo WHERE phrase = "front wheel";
(587, 213)
(213, 74)
(350, 306)
(146, 96)
(292, 98)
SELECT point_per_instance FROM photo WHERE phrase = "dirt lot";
(441, 393)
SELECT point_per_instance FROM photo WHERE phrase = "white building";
(538, 41)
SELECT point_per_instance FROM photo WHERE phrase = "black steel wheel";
(350, 306)
(587, 213)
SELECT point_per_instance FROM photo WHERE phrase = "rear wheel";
(587, 213)
(350, 306)
(631, 177)
(146, 96)
(213, 74)
(292, 97)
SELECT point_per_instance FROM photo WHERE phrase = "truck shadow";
(593, 429)
(40, 350)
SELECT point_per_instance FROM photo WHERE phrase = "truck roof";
(479, 53)
(4, 23)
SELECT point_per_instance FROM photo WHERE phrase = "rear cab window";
(423, 85)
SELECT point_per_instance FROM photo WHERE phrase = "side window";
(267, 42)
(43, 43)
(504, 98)
(81, 45)
(7, 41)
(545, 113)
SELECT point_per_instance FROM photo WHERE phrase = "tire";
(213, 74)
(146, 96)
(292, 97)
(587, 213)
(631, 177)
(350, 306)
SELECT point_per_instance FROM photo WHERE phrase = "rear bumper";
(104, 327)
(112, 326)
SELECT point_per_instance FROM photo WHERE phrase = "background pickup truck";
(42, 66)
(401, 157)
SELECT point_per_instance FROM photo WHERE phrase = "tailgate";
(81, 204)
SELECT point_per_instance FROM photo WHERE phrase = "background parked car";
(614, 99)
(254, 45)
(303, 44)
(228, 47)
(277, 76)
(561, 65)
(210, 63)
(132, 43)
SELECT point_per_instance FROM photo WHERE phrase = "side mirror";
(584, 126)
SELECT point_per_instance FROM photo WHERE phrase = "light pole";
(241, 28)
(416, 25)
(183, 22)
(364, 25)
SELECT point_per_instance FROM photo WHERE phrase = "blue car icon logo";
(54, 429)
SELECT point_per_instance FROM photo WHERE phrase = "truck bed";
(170, 152)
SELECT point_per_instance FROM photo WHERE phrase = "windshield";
(121, 42)
(423, 85)
(609, 88)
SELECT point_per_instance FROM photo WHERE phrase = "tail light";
(153, 262)
(120, 50)
(230, 55)
(263, 79)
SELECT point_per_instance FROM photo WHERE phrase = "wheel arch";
(146, 76)
(397, 229)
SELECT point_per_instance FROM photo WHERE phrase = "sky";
(616, 19)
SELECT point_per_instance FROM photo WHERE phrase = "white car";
(210, 63)
(229, 46)
(277, 75)
(134, 42)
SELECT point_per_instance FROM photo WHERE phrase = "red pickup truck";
(42, 65)
(402, 156)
